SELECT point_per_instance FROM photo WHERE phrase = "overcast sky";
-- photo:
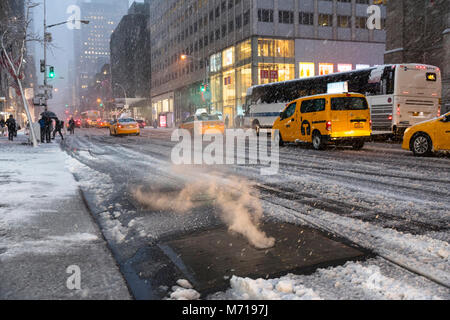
(61, 56)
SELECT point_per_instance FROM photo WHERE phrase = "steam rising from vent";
(237, 208)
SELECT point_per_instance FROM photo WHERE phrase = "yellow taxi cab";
(205, 122)
(124, 126)
(342, 118)
(102, 123)
(429, 136)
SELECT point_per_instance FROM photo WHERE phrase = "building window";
(307, 69)
(325, 20)
(286, 17)
(228, 57)
(244, 50)
(275, 48)
(326, 68)
(306, 18)
(344, 21)
(265, 15)
(275, 72)
(360, 22)
(344, 67)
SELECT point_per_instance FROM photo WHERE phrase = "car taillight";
(144, 124)
(439, 112)
(370, 123)
(120, 126)
(390, 117)
(328, 127)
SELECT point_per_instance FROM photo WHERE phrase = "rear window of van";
(349, 103)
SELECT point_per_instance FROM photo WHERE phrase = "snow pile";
(113, 228)
(184, 291)
(284, 288)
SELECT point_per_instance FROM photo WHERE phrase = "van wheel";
(280, 140)
(421, 145)
(317, 141)
(358, 145)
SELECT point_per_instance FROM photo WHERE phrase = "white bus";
(399, 95)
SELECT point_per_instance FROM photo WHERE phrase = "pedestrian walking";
(42, 126)
(227, 121)
(11, 124)
(2, 127)
(58, 126)
(72, 126)
(48, 129)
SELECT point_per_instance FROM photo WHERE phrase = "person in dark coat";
(227, 121)
(42, 125)
(2, 127)
(11, 124)
(72, 126)
(58, 126)
(48, 129)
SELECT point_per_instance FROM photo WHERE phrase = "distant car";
(429, 136)
(102, 124)
(124, 126)
(141, 123)
(205, 121)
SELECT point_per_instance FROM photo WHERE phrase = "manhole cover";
(210, 257)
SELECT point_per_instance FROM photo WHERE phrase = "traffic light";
(203, 87)
(42, 66)
(51, 74)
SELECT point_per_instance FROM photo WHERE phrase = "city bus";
(399, 95)
(89, 118)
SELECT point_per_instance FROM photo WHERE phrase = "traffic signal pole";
(45, 54)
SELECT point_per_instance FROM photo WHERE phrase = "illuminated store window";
(228, 57)
(276, 48)
(229, 92)
(244, 50)
(344, 67)
(326, 68)
(216, 62)
(275, 72)
(243, 80)
(307, 69)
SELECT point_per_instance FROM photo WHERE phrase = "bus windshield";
(349, 103)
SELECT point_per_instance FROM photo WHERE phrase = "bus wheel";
(257, 128)
(358, 145)
(317, 141)
(421, 145)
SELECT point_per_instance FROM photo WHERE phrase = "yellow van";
(325, 119)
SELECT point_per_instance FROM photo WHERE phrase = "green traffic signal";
(51, 74)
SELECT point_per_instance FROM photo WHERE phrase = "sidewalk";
(45, 228)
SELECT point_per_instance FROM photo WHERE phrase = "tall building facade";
(91, 47)
(234, 44)
(419, 32)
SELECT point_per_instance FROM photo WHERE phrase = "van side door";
(287, 122)
(306, 117)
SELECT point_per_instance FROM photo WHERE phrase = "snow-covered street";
(380, 199)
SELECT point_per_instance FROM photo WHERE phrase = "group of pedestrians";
(48, 133)
(12, 127)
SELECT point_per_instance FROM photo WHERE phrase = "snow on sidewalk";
(45, 228)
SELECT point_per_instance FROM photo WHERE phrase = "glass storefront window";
(326, 68)
(276, 48)
(228, 57)
(216, 89)
(244, 50)
(229, 92)
(307, 69)
(243, 81)
(216, 62)
(275, 72)
(344, 67)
